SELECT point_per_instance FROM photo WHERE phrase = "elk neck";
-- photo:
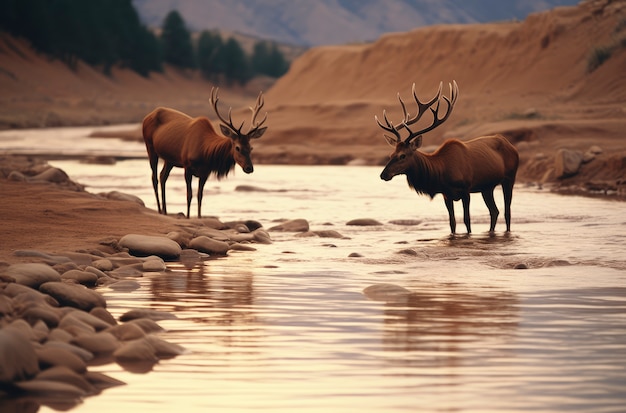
(219, 151)
(424, 174)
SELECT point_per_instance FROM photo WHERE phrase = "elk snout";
(385, 175)
(248, 169)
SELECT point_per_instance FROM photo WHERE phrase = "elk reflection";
(440, 322)
(206, 292)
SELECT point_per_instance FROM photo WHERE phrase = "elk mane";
(220, 152)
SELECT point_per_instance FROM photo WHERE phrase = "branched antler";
(229, 123)
(422, 107)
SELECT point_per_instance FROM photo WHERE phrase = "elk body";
(193, 144)
(456, 168)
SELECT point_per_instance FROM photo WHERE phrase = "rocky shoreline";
(54, 323)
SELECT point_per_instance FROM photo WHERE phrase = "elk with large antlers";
(192, 143)
(456, 168)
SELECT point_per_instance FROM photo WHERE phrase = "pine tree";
(209, 52)
(176, 42)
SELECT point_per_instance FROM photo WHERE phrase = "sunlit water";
(300, 325)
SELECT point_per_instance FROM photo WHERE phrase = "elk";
(192, 144)
(456, 168)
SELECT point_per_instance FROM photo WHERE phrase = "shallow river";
(413, 321)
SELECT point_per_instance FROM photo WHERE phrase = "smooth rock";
(147, 313)
(80, 352)
(120, 196)
(143, 245)
(18, 359)
(124, 285)
(68, 376)
(49, 356)
(96, 322)
(127, 331)
(102, 264)
(567, 162)
(154, 266)
(104, 315)
(294, 225)
(32, 274)
(51, 388)
(209, 245)
(386, 292)
(136, 350)
(363, 222)
(99, 343)
(81, 277)
(73, 295)
(261, 236)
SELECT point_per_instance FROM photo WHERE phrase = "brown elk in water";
(456, 168)
(192, 143)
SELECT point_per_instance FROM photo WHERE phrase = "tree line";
(107, 33)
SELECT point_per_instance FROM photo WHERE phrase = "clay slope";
(528, 79)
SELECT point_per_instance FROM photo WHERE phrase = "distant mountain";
(326, 22)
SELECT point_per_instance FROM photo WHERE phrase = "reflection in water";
(441, 320)
(210, 297)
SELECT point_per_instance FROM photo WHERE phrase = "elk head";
(401, 157)
(241, 141)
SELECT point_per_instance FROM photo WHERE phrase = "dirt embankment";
(528, 80)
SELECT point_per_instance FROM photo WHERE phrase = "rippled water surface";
(412, 321)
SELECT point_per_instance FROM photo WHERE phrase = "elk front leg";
(154, 164)
(450, 206)
(201, 183)
(493, 209)
(188, 176)
(165, 173)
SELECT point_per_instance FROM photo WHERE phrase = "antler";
(255, 111)
(229, 123)
(454, 94)
(422, 107)
(389, 127)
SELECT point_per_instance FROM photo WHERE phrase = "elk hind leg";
(493, 209)
(165, 173)
(466, 212)
(507, 189)
(450, 206)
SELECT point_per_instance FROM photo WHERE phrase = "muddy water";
(413, 321)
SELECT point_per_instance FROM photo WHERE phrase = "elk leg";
(154, 164)
(466, 212)
(188, 176)
(165, 173)
(507, 188)
(450, 206)
(201, 183)
(493, 209)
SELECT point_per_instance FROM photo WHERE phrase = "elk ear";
(390, 140)
(417, 142)
(256, 134)
(228, 132)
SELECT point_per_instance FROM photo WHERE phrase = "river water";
(389, 318)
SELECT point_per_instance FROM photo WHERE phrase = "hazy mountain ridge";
(326, 22)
